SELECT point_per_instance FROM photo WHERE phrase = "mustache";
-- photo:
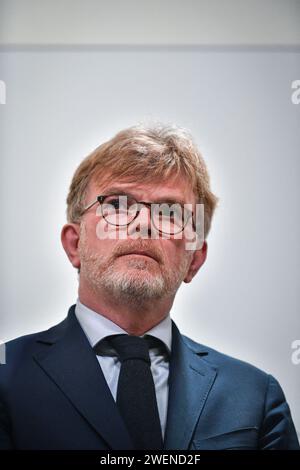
(126, 248)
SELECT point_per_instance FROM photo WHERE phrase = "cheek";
(174, 252)
(183, 259)
(104, 231)
(102, 247)
(92, 243)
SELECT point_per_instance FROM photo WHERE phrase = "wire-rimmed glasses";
(120, 210)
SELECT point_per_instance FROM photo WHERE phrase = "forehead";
(175, 187)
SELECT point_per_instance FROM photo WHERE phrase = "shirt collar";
(97, 327)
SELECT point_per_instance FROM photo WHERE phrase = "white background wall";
(63, 100)
(220, 22)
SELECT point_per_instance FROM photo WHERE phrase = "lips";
(141, 252)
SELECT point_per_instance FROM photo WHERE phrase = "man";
(117, 373)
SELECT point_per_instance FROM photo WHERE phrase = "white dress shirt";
(97, 327)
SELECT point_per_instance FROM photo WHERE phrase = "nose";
(141, 226)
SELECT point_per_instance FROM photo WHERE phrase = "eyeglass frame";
(102, 197)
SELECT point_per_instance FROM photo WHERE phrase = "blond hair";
(146, 153)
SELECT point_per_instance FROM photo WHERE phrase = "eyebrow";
(117, 191)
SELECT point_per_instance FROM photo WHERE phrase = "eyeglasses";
(121, 210)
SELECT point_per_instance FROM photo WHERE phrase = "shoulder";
(226, 364)
(27, 343)
(19, 350)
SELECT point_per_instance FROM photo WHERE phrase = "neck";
(133, 316)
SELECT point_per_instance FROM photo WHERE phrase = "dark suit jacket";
(53, 395)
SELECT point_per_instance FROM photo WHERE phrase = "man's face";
(113, 266)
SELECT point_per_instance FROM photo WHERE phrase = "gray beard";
(130, 287)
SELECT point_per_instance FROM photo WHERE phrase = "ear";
(199, 257)
(70, 239)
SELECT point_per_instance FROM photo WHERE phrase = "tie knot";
(130, 347)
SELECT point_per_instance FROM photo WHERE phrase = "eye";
(174, 212)
(114, 202)
(110, 203)
(118, 202)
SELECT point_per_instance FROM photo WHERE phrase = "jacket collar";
(72, 364)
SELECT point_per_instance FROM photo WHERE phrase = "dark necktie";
(136, 398)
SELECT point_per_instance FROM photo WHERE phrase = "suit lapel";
(70, 362)
(68, 359)
(190, 381)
